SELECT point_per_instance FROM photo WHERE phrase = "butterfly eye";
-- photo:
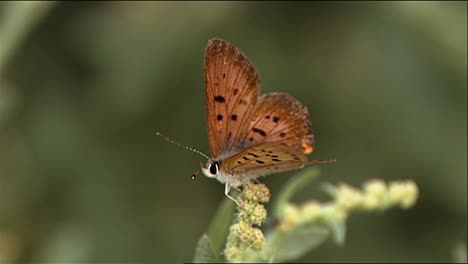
(214, 168)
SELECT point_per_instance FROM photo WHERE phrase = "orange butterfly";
(250, 135)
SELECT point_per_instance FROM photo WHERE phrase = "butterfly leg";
(237, 189)
(227, 188)
(256, 181)
(248, 184)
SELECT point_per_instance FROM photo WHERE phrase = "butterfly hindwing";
(263, 159)
(232, 87)
(279, 117)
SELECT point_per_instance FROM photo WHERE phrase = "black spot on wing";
(259, 131)
(219, 117)
(219, 99)
(259, 161)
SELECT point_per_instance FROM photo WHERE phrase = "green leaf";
(338, 229)
(293, 186)
(204, 251)
(294, 244)
(329, 189)
(219, 227)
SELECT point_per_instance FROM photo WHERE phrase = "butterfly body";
(250, 135)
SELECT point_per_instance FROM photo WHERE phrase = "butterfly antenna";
(181, 145)
(194, 176)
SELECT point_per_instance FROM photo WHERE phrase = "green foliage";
(204, 252)
(219, 227)
(302, 227)
(210, 245)
(294, 244)
(293, 186)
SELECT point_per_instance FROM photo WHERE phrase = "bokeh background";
(84, 86)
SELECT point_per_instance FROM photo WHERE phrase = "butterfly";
(250, 135)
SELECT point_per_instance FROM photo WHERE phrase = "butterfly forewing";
(278, 117)
(250, 135)
(263, 159)
(231, 88)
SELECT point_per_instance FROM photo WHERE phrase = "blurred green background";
(84, 86)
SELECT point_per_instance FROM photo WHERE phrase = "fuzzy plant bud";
(258, 239)
(290, 217)
(230, 252)
(256, 193)
(348, 197)
(243, 236)
(374, 195)
(404, 193)
(310, 212)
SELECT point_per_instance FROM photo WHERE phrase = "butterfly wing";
(279, 117)
(232, 86)
(262, 159)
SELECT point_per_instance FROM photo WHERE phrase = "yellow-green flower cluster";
(243, 234)
(404, 193)
(376, 195)
(255, 193)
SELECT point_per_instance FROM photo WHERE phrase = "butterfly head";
(211, 168)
